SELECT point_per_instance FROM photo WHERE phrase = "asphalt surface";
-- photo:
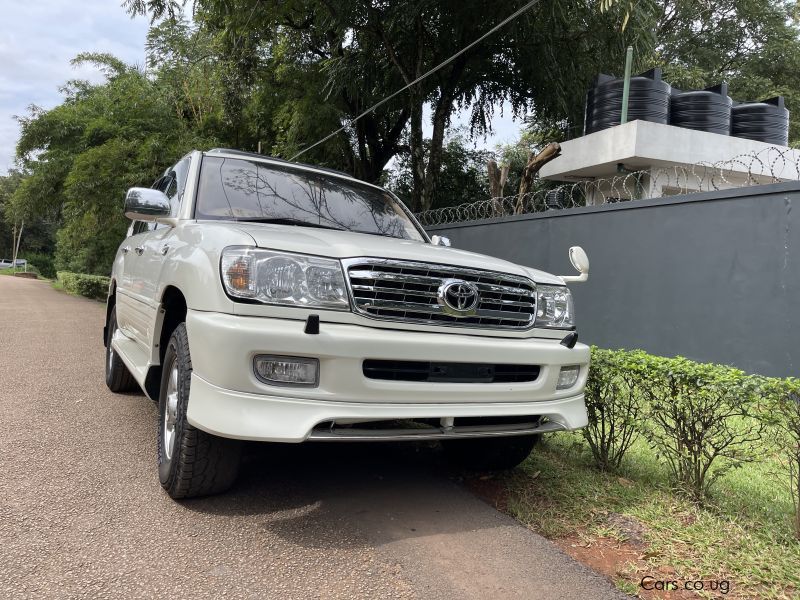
(82, 514)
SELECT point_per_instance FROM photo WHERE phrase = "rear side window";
(173, 183)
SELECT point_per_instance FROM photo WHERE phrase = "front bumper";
(227, 399)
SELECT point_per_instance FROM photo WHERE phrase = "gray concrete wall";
(712, 276)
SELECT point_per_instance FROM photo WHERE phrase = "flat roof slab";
(643, 145)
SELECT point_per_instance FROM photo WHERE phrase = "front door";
(131, 313)
(156, 248)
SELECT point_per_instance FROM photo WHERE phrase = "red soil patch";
(621, 560)
(610, 557)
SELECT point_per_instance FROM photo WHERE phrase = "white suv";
(257, 299)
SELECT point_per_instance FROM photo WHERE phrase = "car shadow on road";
(338, 495)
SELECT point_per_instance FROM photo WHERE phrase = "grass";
(12, 270)
(742, 534)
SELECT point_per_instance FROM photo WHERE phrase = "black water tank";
(556, 198)
(704, 110)
(648, 100)
(766, 121)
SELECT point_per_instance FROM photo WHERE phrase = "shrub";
(698, 414)
(613, 401)
(783, 414)
(90, 286)
(43, 262)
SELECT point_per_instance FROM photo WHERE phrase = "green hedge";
(782, 413)
(90, 286)
(614, 404)
(43, 262)
(701, 419)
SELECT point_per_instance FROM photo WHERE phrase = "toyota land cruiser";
(258, 299)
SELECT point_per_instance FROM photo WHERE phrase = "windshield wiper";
(288, 221)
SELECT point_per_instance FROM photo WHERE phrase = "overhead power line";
(444, 63)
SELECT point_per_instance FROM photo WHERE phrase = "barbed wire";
(771, 165)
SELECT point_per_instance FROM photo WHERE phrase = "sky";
(39, 38)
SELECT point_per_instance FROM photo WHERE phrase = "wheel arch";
(172, 312)
(111, 302)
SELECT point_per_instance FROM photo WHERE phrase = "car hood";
(346, 244)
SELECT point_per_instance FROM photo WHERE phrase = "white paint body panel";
(276, 418)
(226, 399)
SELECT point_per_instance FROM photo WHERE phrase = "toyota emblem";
(458, 298)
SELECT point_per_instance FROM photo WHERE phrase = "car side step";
(336, 433)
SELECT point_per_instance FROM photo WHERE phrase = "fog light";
(286, 370)
(567, 377)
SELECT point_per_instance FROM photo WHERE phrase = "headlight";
(284, 278)
(554, 307)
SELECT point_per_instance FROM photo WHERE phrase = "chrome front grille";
(407, 291)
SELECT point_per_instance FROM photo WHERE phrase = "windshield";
(249, 190)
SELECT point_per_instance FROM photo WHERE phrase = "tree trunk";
(417, 153)
(497, 183)
(440, 117)
(494, 178)
(535, 162)
(16, 242)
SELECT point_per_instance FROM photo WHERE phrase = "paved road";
(82, 514)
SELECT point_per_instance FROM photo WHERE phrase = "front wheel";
(490, 454)
(191, 462)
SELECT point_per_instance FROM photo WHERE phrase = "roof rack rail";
(276, 159)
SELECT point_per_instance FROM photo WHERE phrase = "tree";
(462, 178)
(754, 45)
(81, 156)
(8, 220)
(345, 56)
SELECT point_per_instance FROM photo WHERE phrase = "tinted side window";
(175, 184)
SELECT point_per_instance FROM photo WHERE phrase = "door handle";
(164, 248)
(139, 250)
(126, 249)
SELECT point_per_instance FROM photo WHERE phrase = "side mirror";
(579, 260)
(440, 240)
(146, 204)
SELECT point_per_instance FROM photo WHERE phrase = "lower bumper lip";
(437, 433)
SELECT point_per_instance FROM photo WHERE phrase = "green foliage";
(90, 286)
(701, 419)
(8, 184)
(741, 534)
(283, 75)
(42, 263)
(783, 415)
(614, 405)
(299, 69)
(462, 179)
(81, 156)
(752, 44)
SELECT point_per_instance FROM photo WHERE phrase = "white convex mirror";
(579, 260)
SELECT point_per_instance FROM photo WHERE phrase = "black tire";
(118, 378)
(195, 463)
(490, 454)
